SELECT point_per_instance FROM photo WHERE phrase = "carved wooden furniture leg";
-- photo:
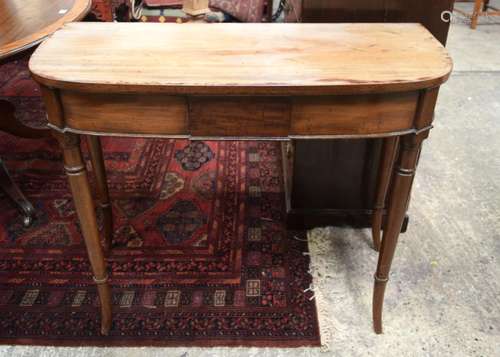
(77, 175)
(102, 188)
(409, 153)
(404, 173)
(384, 178)
(478, 6)
(287, 149)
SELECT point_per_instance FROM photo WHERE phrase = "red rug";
(201, 254)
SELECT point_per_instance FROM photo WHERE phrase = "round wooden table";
(24, 24)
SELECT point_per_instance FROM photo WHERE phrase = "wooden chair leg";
(103, 200)
(384, 177)
(80, 188)
(401, 187)
(478, 5)
(486, 4)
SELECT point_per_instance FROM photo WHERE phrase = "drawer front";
(149, 114)
(353, 115)
(233, 117)
(239, 116)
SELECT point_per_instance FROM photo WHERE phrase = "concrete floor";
(444, 295)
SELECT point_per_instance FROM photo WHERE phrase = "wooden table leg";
(408, 155)
(401, 187)
(102, 188)
(478, 6)
(384, 177)
(77, 176)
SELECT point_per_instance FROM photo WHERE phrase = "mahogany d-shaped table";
(239, 81)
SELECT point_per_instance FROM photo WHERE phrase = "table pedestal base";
(9, 124)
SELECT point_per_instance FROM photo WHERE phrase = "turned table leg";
(102, 188)
(77, 176)
(404, 174)
(478, 6)
(384, 177)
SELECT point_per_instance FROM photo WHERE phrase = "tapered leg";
(478, 5)
(403, 178)
(77, 176)
(384, 177)
(102, 188)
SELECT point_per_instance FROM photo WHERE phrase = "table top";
(25, 23)
(267, 59)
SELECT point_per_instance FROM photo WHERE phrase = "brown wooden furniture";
(426, 12)
(24, 24)
(320, 81)
(9, 124)
(481, 8)
(341, 186)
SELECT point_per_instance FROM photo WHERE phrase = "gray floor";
(444, 295)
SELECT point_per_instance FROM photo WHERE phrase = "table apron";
(236, 117)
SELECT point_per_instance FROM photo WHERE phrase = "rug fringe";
(322, 271)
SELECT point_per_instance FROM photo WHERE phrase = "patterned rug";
(201, 255)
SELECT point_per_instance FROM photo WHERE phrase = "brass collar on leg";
(101, 281)
(74, 170)
(380, 280)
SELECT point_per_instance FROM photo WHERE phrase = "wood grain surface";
(281, 81)
(24, 23)
(276, 59)
(125, 113)
(219, 117)
(239, 116)
(353, 114)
